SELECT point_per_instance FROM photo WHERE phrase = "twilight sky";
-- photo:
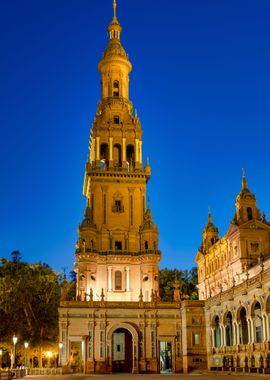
(201, 86)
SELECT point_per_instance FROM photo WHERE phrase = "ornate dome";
(210, 227)
(115, 48)
(245, 193)
(87, 221)
(148, 220)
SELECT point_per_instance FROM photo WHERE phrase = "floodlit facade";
(117, 322)
(234, 282)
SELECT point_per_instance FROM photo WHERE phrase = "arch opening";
(122, 352)
(249, 213)
(104, 154)
(116, 88)
(229, 329)
(258, 322)
(130, 155)
(217, 332)
(117, 161)
(243, 327)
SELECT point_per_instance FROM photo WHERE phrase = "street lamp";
(26, 344)
(60, 354)
(15, 340)
(1, 354)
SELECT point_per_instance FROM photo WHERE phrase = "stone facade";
(117, 322)
(233, 280)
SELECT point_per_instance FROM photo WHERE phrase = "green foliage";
(29, 300)
(187, 280)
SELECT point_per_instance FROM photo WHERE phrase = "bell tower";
(245, 204)
(117, 252)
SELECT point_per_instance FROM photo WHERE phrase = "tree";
(186, 278)
(29, 300)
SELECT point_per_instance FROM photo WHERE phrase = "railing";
(45, 371)
(119, 252)
(118, 208)
(15, 373)
(5, 375)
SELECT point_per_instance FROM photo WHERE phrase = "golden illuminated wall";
(225, 262)
(117, 249)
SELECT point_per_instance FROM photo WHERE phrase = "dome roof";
(87, 221)
(245, 193)
(148, 220)
(210, 227)
(114, 48)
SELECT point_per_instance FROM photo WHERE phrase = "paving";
(205, 375)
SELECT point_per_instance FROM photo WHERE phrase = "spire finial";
(244, 179)
(209, 215)
(114, 9)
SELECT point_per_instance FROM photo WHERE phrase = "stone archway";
(122, 348)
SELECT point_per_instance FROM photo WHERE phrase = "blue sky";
(200, 83)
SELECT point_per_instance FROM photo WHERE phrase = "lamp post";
(15, 340)
(26, 344)
(60, 354)
(1, 354)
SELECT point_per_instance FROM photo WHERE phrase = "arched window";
(258, 322)
(217, 332)
(117, 155)
(229, 329)
(243, 328)
(104, 153)
(116, 88)
(116, 119)
(130, 155)
(249, 213)
(118, 280)
(146, 245)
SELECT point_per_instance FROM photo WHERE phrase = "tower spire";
(114, 28)
(209, 215)
(114, 9)
(244, 179)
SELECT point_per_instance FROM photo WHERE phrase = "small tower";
(210, 233)
(245, 204)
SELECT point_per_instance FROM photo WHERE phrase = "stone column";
(136, 150)
(237, 333)
(124, 153)
(251, 330)
(234, 334)
(264, 337)
(97, 149)
(92, 150)
(222, 336)
(127, 279)
(267, 327)
(213, 337)
(140, 151)
(109, 279)
(111, 148)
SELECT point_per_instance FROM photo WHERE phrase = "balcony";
(111, 252)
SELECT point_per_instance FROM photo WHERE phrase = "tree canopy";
(29, 299)
(186, 278)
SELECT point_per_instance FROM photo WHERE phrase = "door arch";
(122, 348)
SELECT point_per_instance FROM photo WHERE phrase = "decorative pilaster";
(109, 279)
(127, 279)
